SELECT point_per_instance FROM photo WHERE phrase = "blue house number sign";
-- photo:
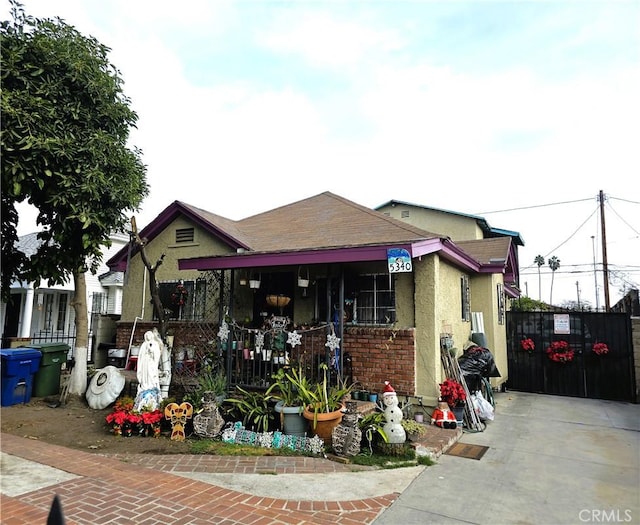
(399, 260)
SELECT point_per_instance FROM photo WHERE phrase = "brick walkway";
(115, 490)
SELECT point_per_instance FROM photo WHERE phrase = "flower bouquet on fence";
(600, 348)
(452, 392)
(527, 345)
(560, 352)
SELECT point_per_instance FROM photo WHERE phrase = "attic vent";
(184, 235)
(404, 214)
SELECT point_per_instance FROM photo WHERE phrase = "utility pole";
(595, 274)
(605, 267)
(578, 292)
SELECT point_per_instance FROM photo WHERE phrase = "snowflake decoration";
(316, 445)
(333, 342)
(294, 338)
(223, 333)
(259, 343)
(265, 439)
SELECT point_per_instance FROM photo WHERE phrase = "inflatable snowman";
(393, 415)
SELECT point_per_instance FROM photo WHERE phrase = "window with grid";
(465, 294)
(184, 300)
(375, 301)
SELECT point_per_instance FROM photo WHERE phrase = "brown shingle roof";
(325, 221)
(487, 251)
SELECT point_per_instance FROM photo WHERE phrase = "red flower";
(600, 348)
(150, 418)
(560, 352)
(452, 392)
(528, 344)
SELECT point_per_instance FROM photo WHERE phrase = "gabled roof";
(325, 221)
(481, 221)
(325, 228)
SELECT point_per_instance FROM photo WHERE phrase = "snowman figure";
(393, 415)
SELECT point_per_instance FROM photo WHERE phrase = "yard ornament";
(443, 416)
(393, 415)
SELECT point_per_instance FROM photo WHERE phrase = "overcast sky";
(475, 107)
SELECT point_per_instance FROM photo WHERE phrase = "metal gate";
(588, 374)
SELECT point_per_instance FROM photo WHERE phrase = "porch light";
(254, 283)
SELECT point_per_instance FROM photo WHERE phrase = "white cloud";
(325, 40)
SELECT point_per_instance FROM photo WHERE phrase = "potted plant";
(324, 405)
(212, 384)
(372, 425)
(254, 408)
(287, 389)
(452, 392)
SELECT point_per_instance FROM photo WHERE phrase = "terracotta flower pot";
(323, 423)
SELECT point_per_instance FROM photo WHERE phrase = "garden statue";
(165, 366)
(346, 437)
(393, 415)
(443, 416)
(149, 395)
(208, 422)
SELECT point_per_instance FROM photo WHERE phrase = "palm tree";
(539, 260)
(554, 264)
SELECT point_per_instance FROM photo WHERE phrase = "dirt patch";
(77, 426)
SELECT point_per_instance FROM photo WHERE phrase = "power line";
(534, 206)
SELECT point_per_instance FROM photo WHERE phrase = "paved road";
(552, 460)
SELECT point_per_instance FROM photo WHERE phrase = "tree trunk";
(78, 379)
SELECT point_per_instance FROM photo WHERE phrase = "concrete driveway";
(551, 460)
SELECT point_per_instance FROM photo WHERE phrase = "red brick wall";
(381, 354)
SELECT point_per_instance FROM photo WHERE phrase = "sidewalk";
(146, 489)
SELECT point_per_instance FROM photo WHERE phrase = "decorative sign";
(561, 324)
(399, 260)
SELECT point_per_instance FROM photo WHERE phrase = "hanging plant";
(179, 295)
(560, 352)
(528, 345)
(600, 348)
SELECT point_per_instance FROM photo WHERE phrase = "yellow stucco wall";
(136, 297)
(438, 307)
(484, 298)
(458, 228)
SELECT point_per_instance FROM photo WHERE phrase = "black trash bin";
(47, 379)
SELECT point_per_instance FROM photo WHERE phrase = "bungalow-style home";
(321, 280)
(42, 313)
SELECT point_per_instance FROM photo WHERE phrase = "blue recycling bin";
(19, 365)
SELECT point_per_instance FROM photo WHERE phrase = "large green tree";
(65, 129)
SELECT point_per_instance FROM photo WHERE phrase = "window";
(404, 214)
(375, 299)
(466, 298)
(185, 235)
(501, 305)
(184, 300)
(62, 312)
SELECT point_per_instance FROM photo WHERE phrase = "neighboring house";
(43, 313)
(390, 323)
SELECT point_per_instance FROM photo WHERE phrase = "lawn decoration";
(178, 415)
(393, 415)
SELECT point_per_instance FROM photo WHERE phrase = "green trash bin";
(46, 381)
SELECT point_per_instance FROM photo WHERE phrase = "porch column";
(27, 313)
